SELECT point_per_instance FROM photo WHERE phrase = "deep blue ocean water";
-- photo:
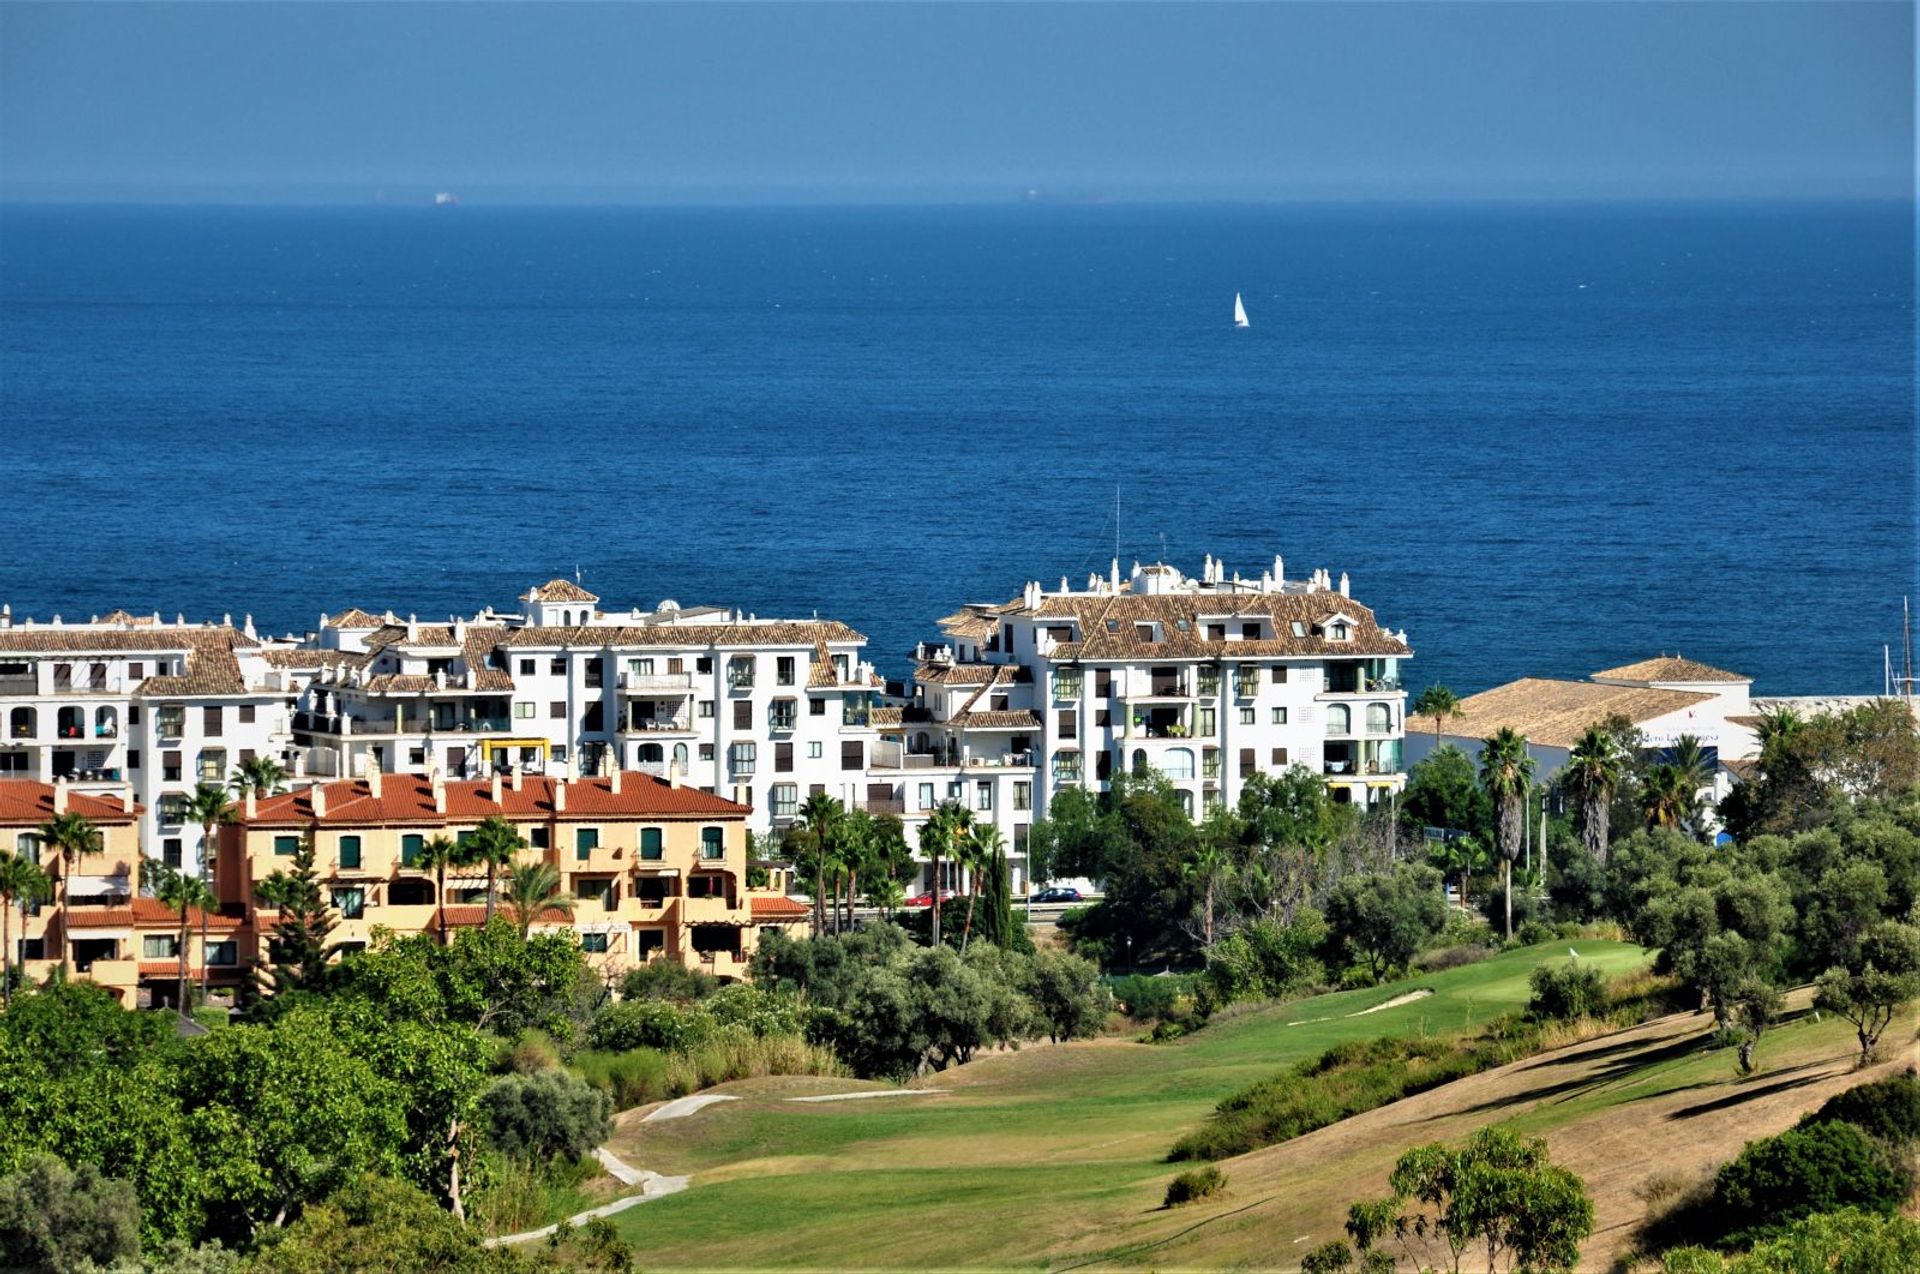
(1544, 441)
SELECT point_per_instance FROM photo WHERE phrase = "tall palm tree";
(72, 837)
(1690, 758)
(532, 889)
(261, 775)
(182, 894)
(820, 817)
(1779, 723)
(209, 807)
(1667, 799)
(1593, 773)
(21, 883)
(976, 853)
(1207, 861)
(855, 846)
(1438, 702)
(1506, 773)
(942, 834)
(494, 842)
(439, 853)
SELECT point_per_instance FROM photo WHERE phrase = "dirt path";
(652, 1186)
(680, 1108)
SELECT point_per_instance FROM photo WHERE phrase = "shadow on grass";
(1818, 1070)
(1626, 1062)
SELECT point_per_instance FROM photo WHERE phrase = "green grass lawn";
(1026, 1156)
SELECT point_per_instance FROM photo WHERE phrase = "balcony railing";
(644, 682)
(655, 725)
(739, 678)
(886, 805)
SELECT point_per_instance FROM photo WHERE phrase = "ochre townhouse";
(654, 869)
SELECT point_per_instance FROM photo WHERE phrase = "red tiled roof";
(778, 907)
(28, 803)
(408, 798)
(558, 590)
(142, 912)
(472, 914)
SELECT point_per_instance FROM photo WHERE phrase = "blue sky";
(556, 102)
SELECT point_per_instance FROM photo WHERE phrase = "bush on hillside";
(1195, 1184)
(1069, 998)
(629, 1079)
(657, 1024)
(1564, 991)
(1267, 960)
(57, 1218)
(665, 979)
(1153, 997)
(1821, 1167)
(1886, 1109)
(760, 1012)
(1848, 1241)
(545, 1116)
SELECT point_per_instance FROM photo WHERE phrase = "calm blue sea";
(1544, 441)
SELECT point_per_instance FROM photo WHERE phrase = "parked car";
(926, 899)
(1057, 893)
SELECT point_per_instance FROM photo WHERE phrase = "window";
(743, 714)
(1246, 679)
(170, 764)
(1297, 628)
(1210, 763)
(596, 674)
(742, 757)
(1339, 719)
(349, 852)
(350, 901)
(1022, 794)
(712, 843)
(1102, 718)
(704, 709)
(159, 946)
(1103, 683)
(1250, 632)
(1280, 758)
(783, 758)
(211, 718)
(1208, 677)
(1379, 718)
(927, 801)
(706, 751)
(286, 846)
(1069, 724)
(1103, 765)
(585, 841)
(136, 671)
(1216, 632)
(983, 794)
(785, 798)
(213, 765)
(1338, 631)
(740, 672)
(537, 836)
(557, 709)
(523, 711)
(651, 848)
(816, 707)
(782, 713)
(223, 954)
(593, 943)
(133, 758)
(170, 721)
(170, 852)
(1066, 767)
(526, 667)
(815, 750)
(783, 670)
(640, 667)
(247, 712)
(1279, 674)
(410, 847)
(1067, 685)
(173, 809)
(1206, 721)
(1246, 762)
(1246, 716)
(853, 755)
(1177, 763)
(1279, 716)
(557, 665)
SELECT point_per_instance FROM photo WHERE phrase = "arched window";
(566, 618)
(652, 753)
(22, 724)
(71, 723)
(106, 723)
(1339, 719)
(1379, 718)
(1177, 763)
(680, 756)
(1139, 760)
(1186, 801)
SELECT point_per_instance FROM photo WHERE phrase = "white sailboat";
(1239, 312)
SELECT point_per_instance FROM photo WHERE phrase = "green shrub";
(545, 1116)
(1265, 960)
(1563, 991)
(57, 1218)
(1887, 1109)
(1194, 1185)
(1532, 932)
(630, 1079)
(1820, 1167)
(1151, 998)
(665, 979)
(761, 1012)
(533, 1052)
(657, 1024)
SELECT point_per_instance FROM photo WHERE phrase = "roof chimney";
(247, 627)
(673, 774)
(496, 789)
(318, 795)
(613, 780)
(560, 795)
(60, 794)
(126, 800)
(439, 793)
(516, 778)
(1344, 592)
(252, 805)
(373, 781)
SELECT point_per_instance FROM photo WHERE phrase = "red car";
(926, 899)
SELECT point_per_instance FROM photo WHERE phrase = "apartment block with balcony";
(1207, 680)
(654, 868)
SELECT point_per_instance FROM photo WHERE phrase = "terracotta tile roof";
(777, 907)
(883, 717)
(354, 617)
(558, 590)
(408, 798)
(1106, 625)
(170, 638)
(1752, 722)
(313, 658)
(1555, 713)
(670, 636)
(1670, 668)
(147, 913)
(474, 914)
(1016, 719)
(972, 674)
(28, 803)
(976, 622)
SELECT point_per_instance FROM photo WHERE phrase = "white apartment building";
(764, 712)
(123, 703)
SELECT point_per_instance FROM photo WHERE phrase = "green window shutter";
(650, 843)
(464, 837)
(286, 846)
(410, 847)
(711, 843)
(350, 851)
(585, 840)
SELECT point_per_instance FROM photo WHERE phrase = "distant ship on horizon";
(446, 199)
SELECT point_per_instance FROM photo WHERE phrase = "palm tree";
(182, 894)
(854, 845)
(1205, 864)
(21, 883)
(494, 842)
(1438, 702)
(820, 816)
(977, 853)
(1506, 773)
(885, 894)
(72, 837)
(1691, 760)
(209, 807)
(1667, 800)
(533, 888)
(261, 775)
(440, 853)
(1779, 723)
(1593, 773)
(943, 832)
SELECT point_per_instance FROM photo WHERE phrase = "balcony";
(660, 725)
(657, 683)
(885, 805)
(740, 678)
